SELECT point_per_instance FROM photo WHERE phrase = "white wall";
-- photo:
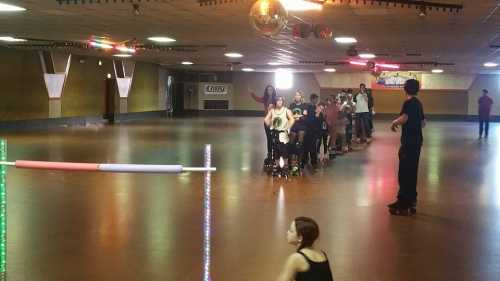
(343, 80)
(243, 82)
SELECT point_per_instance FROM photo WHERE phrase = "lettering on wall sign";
(215, 89)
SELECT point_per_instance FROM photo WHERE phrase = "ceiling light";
(125, 49)
(187, 63)
(100, 45)
(161, 39)
(300, 5)
(330, 69)
(10, 8)
(490, 64)
(345, 40)
(99, 63)
(367, 56)
(11, 39)
(437, 71)
(233, 55)
(122, 55)
(247, 69)
(274, 63)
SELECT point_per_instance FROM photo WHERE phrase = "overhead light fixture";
(108, 75)
(301, 5)
(161, 39)
(437, 71)
(99, 62)
(11, 39)
(345, 40)
(187, 63)
(330, 70)
(247, 69)
(273, 63)
(233, 55)
(367, 56)
(100, 45)
(10, 8)
(125, 49)
(490, 64)
(122, 55)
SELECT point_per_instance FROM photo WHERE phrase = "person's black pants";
(484, 124)
(269, 141)
(409, 156)
(311, 143)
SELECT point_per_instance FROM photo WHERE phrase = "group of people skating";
(310, 263)
(297, 133)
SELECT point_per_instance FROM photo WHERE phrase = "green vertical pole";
(3, 210)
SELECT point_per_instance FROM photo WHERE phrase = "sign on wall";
(394, 79)
(215, 89)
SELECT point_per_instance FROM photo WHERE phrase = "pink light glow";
(358, 63)
(385, 65)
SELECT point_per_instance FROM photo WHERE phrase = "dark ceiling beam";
(402, 3)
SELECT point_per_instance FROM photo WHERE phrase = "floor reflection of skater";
(308, 263)
(412, 119)
(268, 99)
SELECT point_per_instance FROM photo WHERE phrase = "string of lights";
(3, 210)
(207, 214)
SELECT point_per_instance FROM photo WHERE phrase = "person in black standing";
(313, 132)
(484, 106)
(371, 104)
(298, 132)
(412, 119)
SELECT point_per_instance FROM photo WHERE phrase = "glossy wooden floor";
(101, 227)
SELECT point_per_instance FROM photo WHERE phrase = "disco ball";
(268, 17)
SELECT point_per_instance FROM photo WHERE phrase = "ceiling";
(460, 38)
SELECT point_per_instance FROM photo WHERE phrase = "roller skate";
(402, 209)
(295, 171)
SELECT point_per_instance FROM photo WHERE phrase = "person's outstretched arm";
(256, 98)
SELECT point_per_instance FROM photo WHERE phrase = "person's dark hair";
(272, 97)
(485, 91)
(412, 87)
(313, 96)
(322, 104)
(308, 229)
(362, 84)
(279, 98)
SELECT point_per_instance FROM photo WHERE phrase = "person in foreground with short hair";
(485, 103)
(412, 119)
(308, 263)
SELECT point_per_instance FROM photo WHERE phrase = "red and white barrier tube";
(112, 168)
